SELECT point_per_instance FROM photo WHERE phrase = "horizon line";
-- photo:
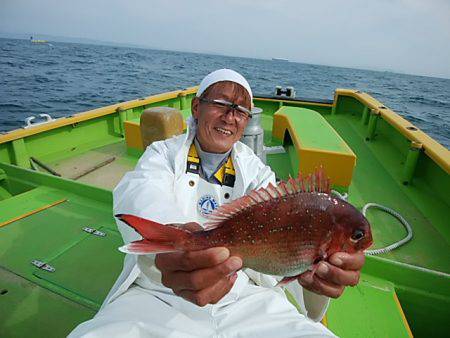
(95, 42)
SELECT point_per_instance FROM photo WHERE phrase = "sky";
(406, 36)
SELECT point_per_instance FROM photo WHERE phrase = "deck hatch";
(86, 270)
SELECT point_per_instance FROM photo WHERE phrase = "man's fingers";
(223, 288)
(330, 278)
(209, 295)
(336, 275)
(317, 285)
(191, 260)
(203, 278)
(348, 261)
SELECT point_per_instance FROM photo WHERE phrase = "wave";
(82, 62)
(10, 105)
(74, 78)
(428, 101)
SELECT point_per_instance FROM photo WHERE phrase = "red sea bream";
(281, 230)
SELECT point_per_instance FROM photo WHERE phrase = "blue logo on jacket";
(207, 204)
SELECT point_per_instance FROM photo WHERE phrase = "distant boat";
(37, 41)
(280, 59)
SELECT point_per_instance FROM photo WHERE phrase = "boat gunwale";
(433, 149)
(92, 114)
(436, 151)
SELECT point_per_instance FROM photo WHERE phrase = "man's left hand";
(331, 277)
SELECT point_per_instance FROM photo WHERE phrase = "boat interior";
(58, 239)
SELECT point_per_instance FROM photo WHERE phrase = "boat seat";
(154, 124)
(316, 142)
(160, 123)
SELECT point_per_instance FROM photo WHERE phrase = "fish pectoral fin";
(286, 280)
(190, 227)
(145, 246)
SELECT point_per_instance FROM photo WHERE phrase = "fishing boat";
(38, 41)
(280, 59)
(58, 238)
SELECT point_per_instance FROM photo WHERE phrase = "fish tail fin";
(145, 246)
(158, 237)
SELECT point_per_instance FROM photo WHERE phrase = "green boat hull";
(43, 217)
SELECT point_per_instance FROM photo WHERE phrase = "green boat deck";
(377, 178)
(42, 218)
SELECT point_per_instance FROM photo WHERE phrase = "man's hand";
(330, 278)
(201, 277)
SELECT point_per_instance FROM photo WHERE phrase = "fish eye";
(358, 234)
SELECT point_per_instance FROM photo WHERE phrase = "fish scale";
(278, 230)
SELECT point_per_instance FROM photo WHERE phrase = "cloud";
(404, 35)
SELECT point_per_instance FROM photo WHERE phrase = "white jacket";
(155, 190)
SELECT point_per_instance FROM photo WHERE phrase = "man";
(206, 293)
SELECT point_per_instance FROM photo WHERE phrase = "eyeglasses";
(240, 113)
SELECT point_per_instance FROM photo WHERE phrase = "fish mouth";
(368, 244)
(367, 241)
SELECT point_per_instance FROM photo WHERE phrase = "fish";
(281, 230)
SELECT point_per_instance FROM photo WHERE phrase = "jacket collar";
(238, 155)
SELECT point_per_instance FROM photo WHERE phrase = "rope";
(389, 211)
(343, 196)
(400, 218)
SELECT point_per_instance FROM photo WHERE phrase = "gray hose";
(343, 196)
(400, 218)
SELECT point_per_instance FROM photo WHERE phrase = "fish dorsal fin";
(315, 182)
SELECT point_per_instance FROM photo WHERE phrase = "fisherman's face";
(219, 128)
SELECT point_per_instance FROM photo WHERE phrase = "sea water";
(65, 78)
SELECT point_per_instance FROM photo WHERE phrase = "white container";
(254, 134)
